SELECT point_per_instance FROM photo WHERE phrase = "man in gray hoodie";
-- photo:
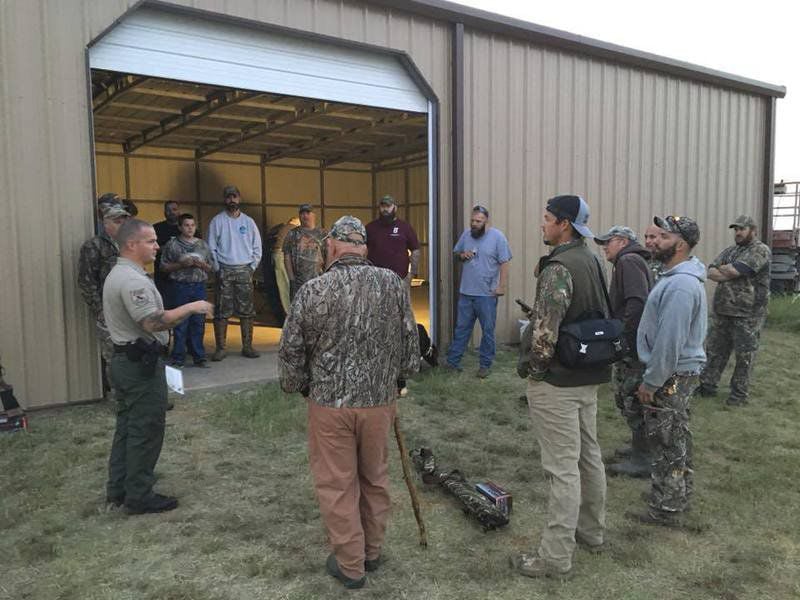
(670, 344)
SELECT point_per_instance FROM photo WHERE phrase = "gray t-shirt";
(129, 296)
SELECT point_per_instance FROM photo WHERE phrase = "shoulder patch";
(140, 297)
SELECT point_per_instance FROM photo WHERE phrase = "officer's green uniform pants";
(141, 410)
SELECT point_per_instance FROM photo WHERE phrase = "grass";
(248, 525)
(784, 313)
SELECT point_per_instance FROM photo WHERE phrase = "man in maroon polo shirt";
(389, 241)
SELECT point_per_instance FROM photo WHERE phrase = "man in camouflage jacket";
(98, 256)
(349, 335)
(740, 306)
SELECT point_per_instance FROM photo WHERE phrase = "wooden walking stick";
(412, 490)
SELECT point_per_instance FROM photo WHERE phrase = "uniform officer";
(138, 324)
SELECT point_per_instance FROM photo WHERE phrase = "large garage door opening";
(183, 106)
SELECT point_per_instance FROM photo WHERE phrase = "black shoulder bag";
(591, 341)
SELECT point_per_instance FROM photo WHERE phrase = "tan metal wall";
(540, 122)
(46, 205)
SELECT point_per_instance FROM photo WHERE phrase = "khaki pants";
(565, 422)
(282, 279)
(348, 454)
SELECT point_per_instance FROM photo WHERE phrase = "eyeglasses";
(481, 209)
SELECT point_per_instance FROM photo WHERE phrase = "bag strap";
(603, 285)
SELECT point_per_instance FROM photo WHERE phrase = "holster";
(146, 353)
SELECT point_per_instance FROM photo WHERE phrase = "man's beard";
(477, 232)
(388, 218)
(745, 240)
(232, 206)
(665, 255)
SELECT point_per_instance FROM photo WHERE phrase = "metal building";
(512, 113)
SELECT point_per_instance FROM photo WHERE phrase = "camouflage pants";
(627, 378)
(667, 426)
(739, 335)
(234, 293)
(106, 352)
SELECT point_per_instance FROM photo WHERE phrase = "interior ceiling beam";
(118, 87)
(189, 114)
(338, 136)
(359, 154)
(199, 97)
(266, 126)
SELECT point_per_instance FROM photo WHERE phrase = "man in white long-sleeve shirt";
(235, 244)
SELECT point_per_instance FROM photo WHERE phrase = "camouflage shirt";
(306, 252)
(656, 268)
(176, 249)
(553, 297)
(98, 256)
(748, 295)
(349, 336)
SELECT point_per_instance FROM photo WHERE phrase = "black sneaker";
(373, 565)
(116, 500)
(332, 567)
(706, 392)
(156, 503)
(202, 364)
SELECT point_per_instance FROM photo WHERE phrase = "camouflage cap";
(108, 198)
(230, 190)
(347, 226)
(743, 221)
(114, 211)
(684, 226)
(616, 231)
(387, 199)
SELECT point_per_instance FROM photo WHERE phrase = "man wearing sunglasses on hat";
(670, 344)
(484, 254)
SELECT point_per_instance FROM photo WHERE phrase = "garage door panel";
(158, 43)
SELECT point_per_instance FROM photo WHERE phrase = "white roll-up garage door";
(159, 43)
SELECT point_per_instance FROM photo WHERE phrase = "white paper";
(174, 379)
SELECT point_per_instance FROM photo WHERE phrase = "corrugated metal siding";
(540, 122)
(46, 208)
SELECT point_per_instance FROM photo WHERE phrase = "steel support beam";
(421, 139)
(190, 114)
(265, 127)
(118, 87)
(331, 138)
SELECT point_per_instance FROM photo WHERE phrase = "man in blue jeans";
(485, 255)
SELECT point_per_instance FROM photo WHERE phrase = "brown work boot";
(247, 339)
(534, 566)
(220, 335)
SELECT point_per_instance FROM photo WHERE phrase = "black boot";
(638, 464)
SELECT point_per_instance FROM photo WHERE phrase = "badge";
(140, 297)
(242, 229)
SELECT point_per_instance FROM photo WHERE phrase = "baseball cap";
(305, 208)
(230, 190)
(114, 211)
(684, 226)
(387, 199)
(616, 231)
(743, 221)
(574, 209)
(108, 198)
(345, 227)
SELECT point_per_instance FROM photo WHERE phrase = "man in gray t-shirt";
(485, 255)
(138, 324)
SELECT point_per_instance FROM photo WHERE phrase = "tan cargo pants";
(565, 423)
(348, 454)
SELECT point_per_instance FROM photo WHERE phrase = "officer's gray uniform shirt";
(129, 296)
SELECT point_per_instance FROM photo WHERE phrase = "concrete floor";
(237, 370)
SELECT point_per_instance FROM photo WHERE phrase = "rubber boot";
(220, 334)
(639, 463)
(247, 339)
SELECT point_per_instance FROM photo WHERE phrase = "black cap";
(574, 209)
(684, 226)
(305, 208)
